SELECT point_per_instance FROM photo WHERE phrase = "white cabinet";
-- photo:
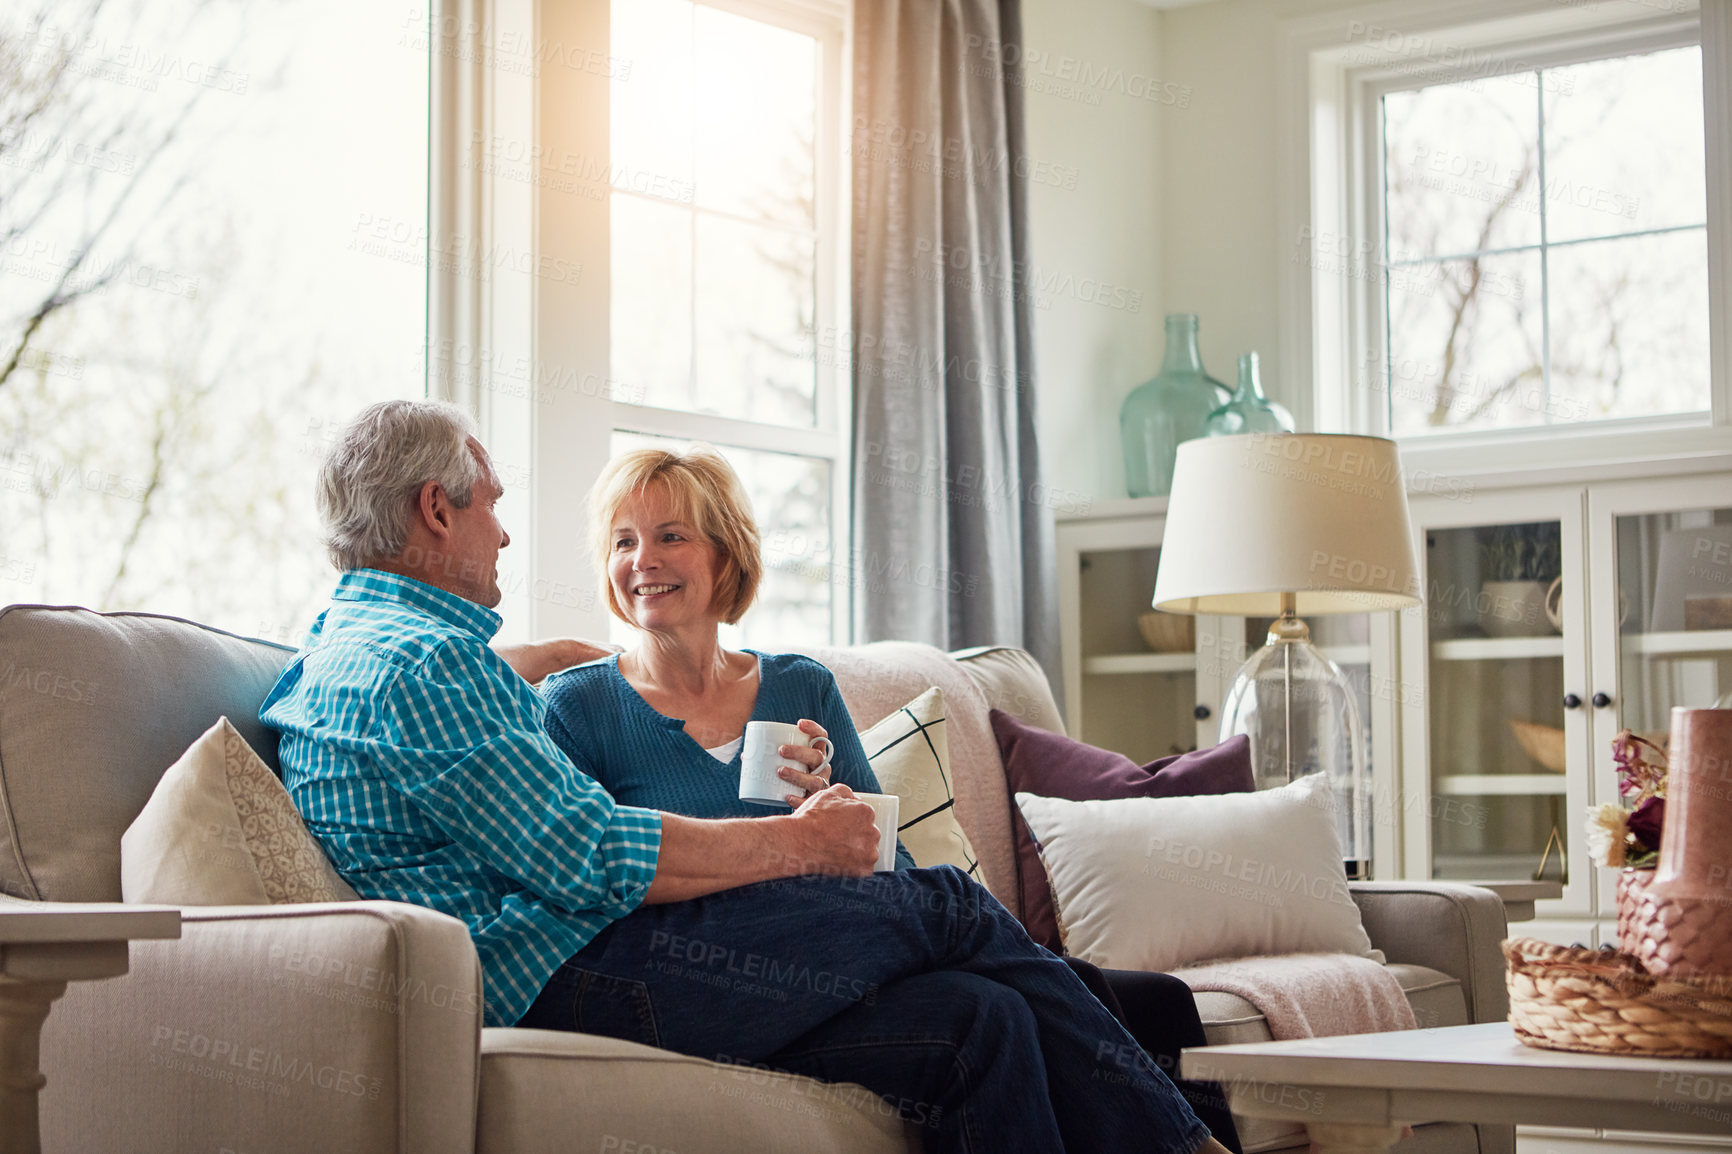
(1509, 714)
(1119, 692)
(1450, 691)
(1122, 695)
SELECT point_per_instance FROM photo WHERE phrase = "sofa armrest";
(348, 1026)
(1447, 926)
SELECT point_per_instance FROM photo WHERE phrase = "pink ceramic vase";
(1682, 920)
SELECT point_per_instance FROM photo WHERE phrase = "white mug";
(885, 809)
(760, 759)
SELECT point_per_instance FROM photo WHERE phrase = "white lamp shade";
(1322, 516)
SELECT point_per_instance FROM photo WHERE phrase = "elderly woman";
(662, 723)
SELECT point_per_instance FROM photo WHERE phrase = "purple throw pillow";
(1052, 765)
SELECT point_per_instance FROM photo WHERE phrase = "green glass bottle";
(1167, 410)
(1249, 411)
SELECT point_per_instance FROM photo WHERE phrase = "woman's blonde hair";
(705, 491)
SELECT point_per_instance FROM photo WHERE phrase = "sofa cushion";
(1012, 682)
(910, 756)
(1152, 883)
(1053, 765)
(543, 1091)
(93, 708)
(220, 830)
(880, 678)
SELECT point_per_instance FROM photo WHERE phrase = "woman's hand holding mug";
(776, 757)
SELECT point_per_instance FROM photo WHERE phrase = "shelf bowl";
(1543, 743)
(1168, 632)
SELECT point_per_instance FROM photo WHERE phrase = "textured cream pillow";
(220, 830)
(1156, 883)
(911, 758)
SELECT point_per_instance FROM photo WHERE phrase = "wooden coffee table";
(1354, 1093)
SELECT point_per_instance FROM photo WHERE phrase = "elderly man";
(417, 756)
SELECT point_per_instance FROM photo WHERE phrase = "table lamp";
(1279, 525)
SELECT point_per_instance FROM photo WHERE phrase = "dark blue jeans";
(916, 984)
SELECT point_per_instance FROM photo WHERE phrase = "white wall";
(1217, 192)
(1219, 211)
(1095, 225)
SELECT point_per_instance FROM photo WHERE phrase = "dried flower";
(1645, 824)
(1641, 766)
(1608, 834)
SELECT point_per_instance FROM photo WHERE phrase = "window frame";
(559, 444)
(1331, 183)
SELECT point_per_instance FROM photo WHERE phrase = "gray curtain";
(952, 524)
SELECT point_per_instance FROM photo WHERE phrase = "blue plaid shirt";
(417, 757)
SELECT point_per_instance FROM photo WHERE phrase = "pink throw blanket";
(1311, 995)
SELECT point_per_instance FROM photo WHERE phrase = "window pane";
(650, 113)
(791, 501)
(757, 119)
(1462, 165)
(1630, 326)
(650, 321)
(754, 322)
(1624, 310)
(1624, 145)
(1464, 344)
(161, 430)
(714, 290)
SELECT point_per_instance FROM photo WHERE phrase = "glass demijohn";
(1249, 411)
(1171, 408)
(1299, 712)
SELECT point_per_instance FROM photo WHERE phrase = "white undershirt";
(725, 753)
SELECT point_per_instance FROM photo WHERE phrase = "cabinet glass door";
(1674, 614)
(1662, 613)
(1139, 672)
(1503, 716)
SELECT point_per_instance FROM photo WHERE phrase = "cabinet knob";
(1572, 701)
(1201, 713)
(1601, 700)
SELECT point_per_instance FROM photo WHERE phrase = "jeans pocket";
(616, 1007)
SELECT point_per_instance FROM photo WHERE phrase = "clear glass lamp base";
(1299, 712)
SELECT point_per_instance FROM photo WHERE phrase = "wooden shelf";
(1475, 868)
(1141, 663)
(1499, 784)
(1497, 648)
(1678, 644)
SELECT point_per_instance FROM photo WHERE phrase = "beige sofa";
(354, 1026)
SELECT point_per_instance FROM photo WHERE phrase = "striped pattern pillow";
(911, 759)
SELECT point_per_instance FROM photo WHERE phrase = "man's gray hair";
(368, 483)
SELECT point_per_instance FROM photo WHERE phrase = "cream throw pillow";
(1156, 883)
(911, 758)
(220, 830)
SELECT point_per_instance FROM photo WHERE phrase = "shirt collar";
(378, 585)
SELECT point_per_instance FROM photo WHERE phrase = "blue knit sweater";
(645, 758)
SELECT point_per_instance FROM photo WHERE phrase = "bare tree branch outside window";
(1546, 257)
(183, 314)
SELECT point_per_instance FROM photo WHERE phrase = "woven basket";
(1599, 1002)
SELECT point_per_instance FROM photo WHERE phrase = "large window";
(724, 226)
(1507, 227)
(214, 252)
(1546, 255)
